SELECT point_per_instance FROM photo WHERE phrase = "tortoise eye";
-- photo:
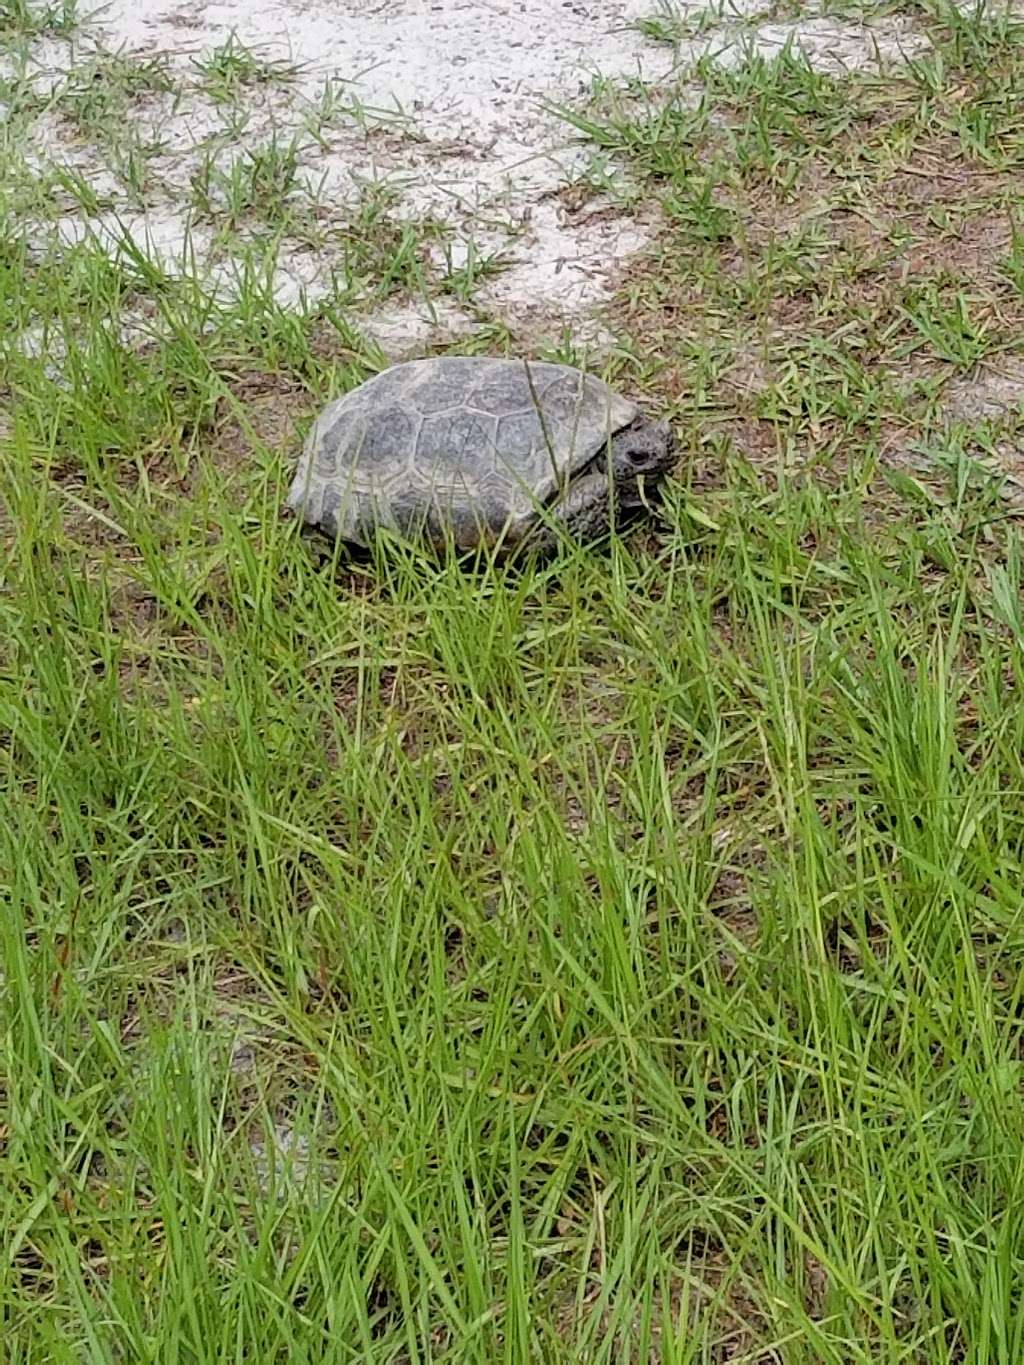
(640, 454)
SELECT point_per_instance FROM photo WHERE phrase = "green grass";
(23, 19)
(263, 183)
(613, 959)
(227, 70)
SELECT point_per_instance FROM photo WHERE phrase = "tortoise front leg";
(584, 514)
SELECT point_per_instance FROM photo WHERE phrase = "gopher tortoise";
(480, 453)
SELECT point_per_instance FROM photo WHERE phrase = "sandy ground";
(458, 122)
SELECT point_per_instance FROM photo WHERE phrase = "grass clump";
(260, 183)
(23, 19)
(227, 70)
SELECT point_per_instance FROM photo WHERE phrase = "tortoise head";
(641, 455)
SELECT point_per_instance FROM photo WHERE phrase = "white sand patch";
(833, 46)
(291, 1163)
(165, 234)
(565, 259)
(449, 104)
(995, 392)
(462, 68)
(404, 330)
